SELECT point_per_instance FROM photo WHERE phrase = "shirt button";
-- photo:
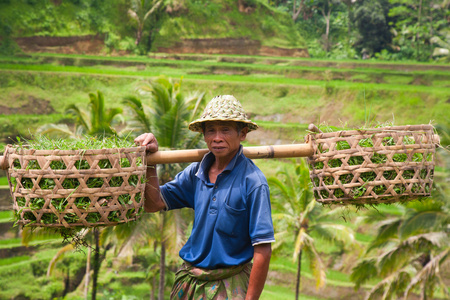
(215, 186)
(214, 199)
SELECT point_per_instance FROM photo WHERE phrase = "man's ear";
(243, 134)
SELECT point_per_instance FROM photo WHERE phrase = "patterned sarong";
(193, 283)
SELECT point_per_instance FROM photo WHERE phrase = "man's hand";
(148, 140)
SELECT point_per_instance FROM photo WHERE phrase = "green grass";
(13, 260)
(273, 292)
(3, 181)
(6, 216)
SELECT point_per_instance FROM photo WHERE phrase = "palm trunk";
(417, 34)
(162, 261)
(96, 263)
(162, 272)
(299, 269)
(88, 270)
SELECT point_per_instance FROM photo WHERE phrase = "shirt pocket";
(232, 222)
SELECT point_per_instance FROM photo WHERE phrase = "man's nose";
(217, 136)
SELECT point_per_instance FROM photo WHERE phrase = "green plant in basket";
(76, 191)
(367, 166)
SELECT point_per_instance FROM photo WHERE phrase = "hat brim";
(196, 125)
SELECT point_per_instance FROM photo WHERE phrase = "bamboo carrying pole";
(275, 151)
(193, 155)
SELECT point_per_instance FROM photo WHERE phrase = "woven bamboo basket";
(71, 188)
(381, 165)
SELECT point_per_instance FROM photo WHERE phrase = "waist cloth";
(219, 284)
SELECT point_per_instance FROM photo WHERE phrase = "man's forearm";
(261, 261)
(153, 201)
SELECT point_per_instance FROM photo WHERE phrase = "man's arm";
(261, 261)
(152, 194)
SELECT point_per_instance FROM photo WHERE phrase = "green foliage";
(411, 249)
(222, 19)
(297, 216)
(372, 23)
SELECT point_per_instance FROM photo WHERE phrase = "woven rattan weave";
(70, 188)
(381, 165)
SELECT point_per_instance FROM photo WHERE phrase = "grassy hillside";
(291, 94)
(222, 19)
(176, 21)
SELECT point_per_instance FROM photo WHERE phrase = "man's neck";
(219, 164)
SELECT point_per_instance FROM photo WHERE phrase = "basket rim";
(406, 128)
(30, 151)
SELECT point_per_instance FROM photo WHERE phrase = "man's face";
(223, 139)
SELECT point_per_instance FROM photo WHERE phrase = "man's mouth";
(218, 148)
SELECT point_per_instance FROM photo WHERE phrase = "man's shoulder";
(253, 174)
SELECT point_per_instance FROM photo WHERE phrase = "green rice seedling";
(338, 193)
(70, 183)
(116, 181)
(47, 183)
(114, 216)
(49, 218)
(82, 202)
(33, 165)
(359, 191)
(57, 165)
(347, 178)
(36, 203)
(82, 164)
(59, 203)
(124, 199)
(133, 180)
(94, 182)
(25, 212)
(71, 218)
(16, 164)
(355, 160)
(27, 183)
(21, 201)
(378, 158)
(93, 217)
(334, 163)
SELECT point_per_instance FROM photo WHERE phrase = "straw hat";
(223, 108)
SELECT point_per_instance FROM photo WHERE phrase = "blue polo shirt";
(231, 215)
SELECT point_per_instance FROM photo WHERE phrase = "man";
(230, 197)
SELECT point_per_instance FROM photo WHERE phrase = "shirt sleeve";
(179, 192)
(260, 216)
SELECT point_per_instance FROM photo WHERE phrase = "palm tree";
(167, 116)
(408, 252)
(298, 215)
(98, 121)
(140, 11)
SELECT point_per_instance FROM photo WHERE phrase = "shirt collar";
(208, 159)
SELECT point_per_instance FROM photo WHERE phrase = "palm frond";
(428, 272)
(57, 131)
(316, 264)
(390, 285)
(58, 256)
(142, 122)
(340, 234)
(365, 270)
(387, 232)
(300, 241)
(422, 222)
(81, 116)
